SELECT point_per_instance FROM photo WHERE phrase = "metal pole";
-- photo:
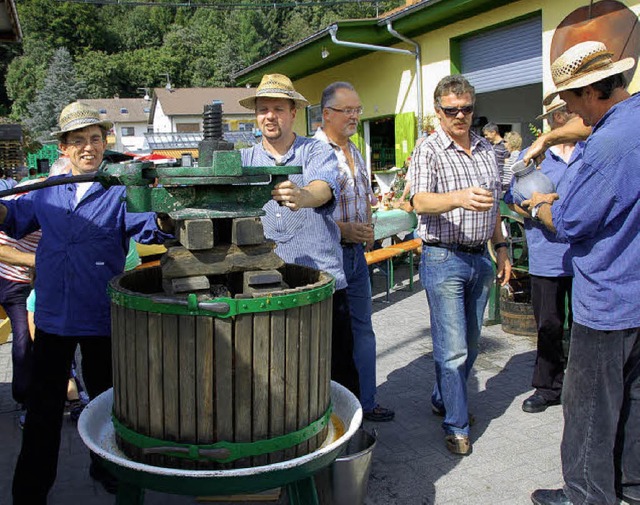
(418, 54)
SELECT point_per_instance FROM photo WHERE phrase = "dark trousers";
(13, 298)
(343, 366)
(601, 403)
(548, 297)
(37, 464)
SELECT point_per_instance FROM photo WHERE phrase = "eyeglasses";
(357, 111)
(454, 111)
(79, 143)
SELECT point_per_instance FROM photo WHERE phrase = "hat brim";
(107, 125)
(250, 102)
(584, 80)
(548, 113)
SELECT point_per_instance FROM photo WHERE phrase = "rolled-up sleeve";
(422, 170)
(321, 164)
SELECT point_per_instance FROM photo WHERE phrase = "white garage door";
(503, 58)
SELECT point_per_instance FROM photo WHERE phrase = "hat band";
(588, 66)
(80, 121)
(287, 92)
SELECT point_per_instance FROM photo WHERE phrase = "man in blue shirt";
(551, 275)
(299, 218)
(85, 238)
(598, 214)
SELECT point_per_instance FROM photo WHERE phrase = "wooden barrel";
(518, 318)
(187, 375)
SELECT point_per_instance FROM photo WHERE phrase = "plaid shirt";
(441, 166)
(355, 190)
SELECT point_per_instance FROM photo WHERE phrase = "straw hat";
(78, 115)
(275, 86)
(555, 105)
(584, 64)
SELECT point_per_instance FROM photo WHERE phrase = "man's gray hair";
(491, 127)
(551, 118)
(330, 92)
(455, 84)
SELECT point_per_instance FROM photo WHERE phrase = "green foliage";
(25, 74)
(116, 49)
(60, 88)
(75, 26)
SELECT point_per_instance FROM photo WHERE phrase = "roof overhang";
(305, 57)
(10, 30)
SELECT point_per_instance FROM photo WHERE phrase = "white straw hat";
(584, 64)
(275, 86)
(557, 104)
(78, 115)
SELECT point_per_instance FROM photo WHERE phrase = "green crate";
(47, 152)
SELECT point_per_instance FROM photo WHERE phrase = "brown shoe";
(441, 413)
(458, 444)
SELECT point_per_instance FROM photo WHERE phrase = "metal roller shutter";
(503, 58)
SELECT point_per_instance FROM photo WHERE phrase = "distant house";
(130, 118)
(175, 120)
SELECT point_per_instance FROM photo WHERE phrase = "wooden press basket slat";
(204, 379)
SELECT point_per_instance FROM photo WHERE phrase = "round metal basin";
(97, 432)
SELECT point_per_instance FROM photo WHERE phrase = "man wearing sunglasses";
(454, 189)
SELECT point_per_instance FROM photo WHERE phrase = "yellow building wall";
(385, 81)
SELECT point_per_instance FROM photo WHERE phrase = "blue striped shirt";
(308, 237)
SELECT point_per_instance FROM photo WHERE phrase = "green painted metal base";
(296, 475)
(300, 493)
(298, 481)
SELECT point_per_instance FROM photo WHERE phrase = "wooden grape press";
(221, 355)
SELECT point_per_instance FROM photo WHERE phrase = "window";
(102, 111)
(128, 131)
(124, 110)
(188, 127)
(314, 118)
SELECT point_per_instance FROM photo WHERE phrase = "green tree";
(75, 26)
(25, 74)
(60, 88)
(131, 28)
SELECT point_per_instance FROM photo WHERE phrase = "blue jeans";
(13, 298)
(601, 405)
(364, 339)
(457, 286)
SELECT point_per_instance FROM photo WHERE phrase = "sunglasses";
(454, 111)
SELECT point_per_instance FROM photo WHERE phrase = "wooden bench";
(387, 254)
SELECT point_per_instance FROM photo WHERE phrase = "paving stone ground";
(513, 452)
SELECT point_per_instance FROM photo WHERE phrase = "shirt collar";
(447, 141)
(286, 157)
(321, 135)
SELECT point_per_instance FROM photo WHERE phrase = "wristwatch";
(536, 210)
